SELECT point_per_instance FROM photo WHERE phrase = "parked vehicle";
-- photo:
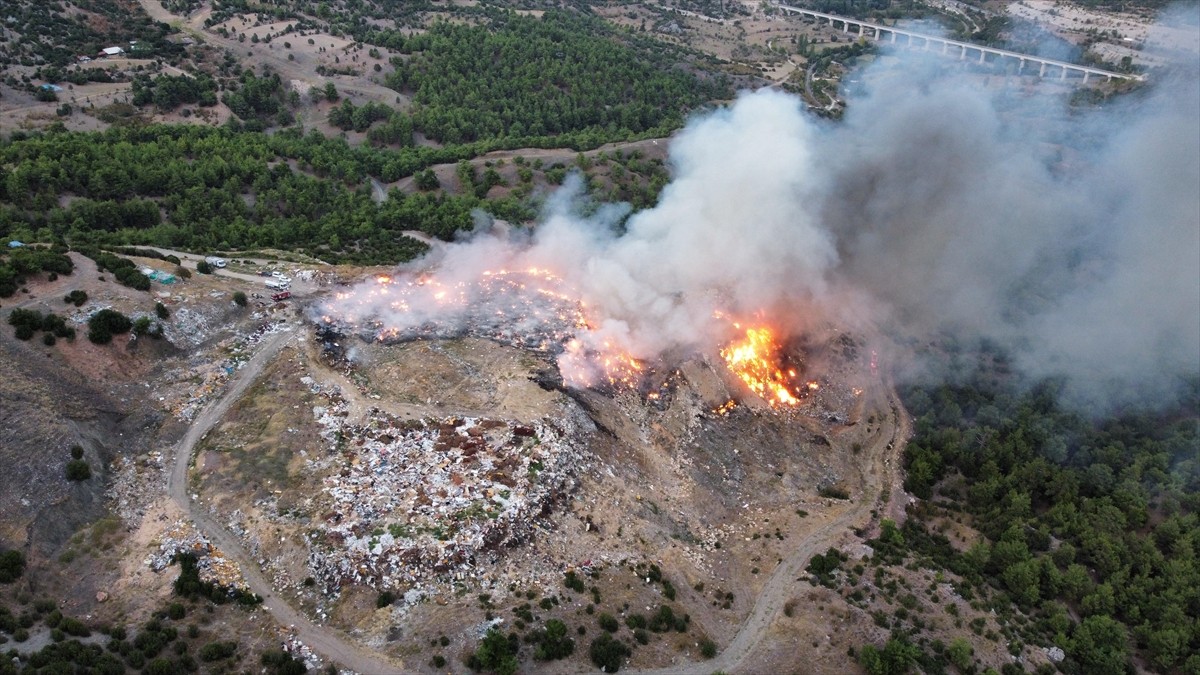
(284, 295)
(277, 285)
(215, 261)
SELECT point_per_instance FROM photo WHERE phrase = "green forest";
(565, 80)
(1090, 525)
(521, 76)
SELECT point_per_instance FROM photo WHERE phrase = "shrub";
(553, 642)
(78, 470)
(496, 652)
(385, 598)
(664, 620)
(833, 492)
(141, 325)
(12, 565)
(105, 324)
(573, 582)
(75, 627)
(183, 272)
(239, 298)
(26, 322)
(161, 311)
(203, 267)
(608, 653)
(708, 648)
(215, 651)
(77, 298)
(608, 622)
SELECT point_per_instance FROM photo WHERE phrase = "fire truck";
(279, 297)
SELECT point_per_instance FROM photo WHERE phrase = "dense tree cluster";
(168, 92)
(1095, 519)
(397, 129)
(126, 272)
(259, 100)
(17, 264)
(523, 76)
(26, 322)
(221, 189)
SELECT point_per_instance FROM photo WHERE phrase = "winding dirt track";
(324, 640)
(882, 470)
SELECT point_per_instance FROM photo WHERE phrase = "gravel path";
(325, 641)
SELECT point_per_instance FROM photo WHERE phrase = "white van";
(276, 285)
(215, 261)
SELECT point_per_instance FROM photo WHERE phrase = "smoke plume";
(1069, 237)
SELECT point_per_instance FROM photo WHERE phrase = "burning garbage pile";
(531, 309)
(407, 500)
(758, 361)
(524, 308)
(534, 309)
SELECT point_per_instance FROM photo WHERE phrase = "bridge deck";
(982, 49)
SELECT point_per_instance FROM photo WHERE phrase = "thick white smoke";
(1071, 238)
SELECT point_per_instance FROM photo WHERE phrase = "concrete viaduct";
(964, 48)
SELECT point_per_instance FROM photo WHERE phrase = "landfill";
(411, 500)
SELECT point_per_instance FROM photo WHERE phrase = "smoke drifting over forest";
(1071, 238)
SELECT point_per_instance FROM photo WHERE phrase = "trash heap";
(211, 563)
(205, 377)
(408, 500)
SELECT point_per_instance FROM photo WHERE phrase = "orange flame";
(754, 360)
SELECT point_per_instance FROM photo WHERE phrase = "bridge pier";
(1086, 75)
(982, 56)
(893, 37)
(945, 46)
(1021, 66)
(1063, 76)
(1042, 70)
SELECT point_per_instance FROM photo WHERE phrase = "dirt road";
(325, 641)
(882, 470)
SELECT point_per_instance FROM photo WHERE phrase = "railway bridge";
(964, 49)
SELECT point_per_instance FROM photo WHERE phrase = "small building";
(83, 58)
(15, 244)
(112, 51)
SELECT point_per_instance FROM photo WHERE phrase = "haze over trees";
(1091, 526)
